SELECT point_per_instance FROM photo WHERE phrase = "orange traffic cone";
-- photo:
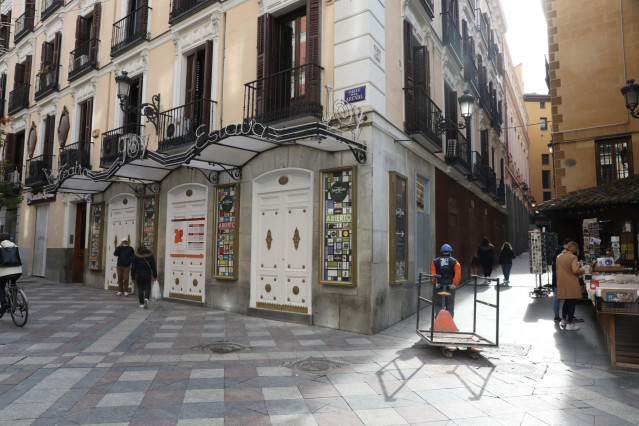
(444, 322)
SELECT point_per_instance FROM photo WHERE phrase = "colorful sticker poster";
(188, 237)
(398, 228)
(226, 233)
(178, 243)
(95, 237)
(149, 228)
(338, 227)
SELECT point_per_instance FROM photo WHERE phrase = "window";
(547, 195)
(545, 179)
(545, 159)
(614, 159)
(416, 78)
(544, 123)
(542, 105)
(5, 30)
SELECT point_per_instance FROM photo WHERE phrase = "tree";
(10, 178)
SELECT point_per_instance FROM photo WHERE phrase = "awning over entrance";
(224, 150)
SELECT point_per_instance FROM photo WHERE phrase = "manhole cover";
(221, 347)
(313, 365)
(531, 371)
(509, 350)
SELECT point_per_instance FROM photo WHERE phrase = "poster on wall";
(338, 224)
(149, 222)
(187, 237)
(95, 237)
(226, 255)
(398, 228)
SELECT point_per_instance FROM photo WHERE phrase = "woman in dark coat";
(486, 255)
(506, 256)
(143, 271)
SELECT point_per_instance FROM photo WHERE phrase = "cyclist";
(8, 274)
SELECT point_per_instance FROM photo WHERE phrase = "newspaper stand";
(455, 338)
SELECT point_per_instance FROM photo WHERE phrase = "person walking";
(486, 255)
(556, 302)
(124, 253)
(506, 256)
(143, 271)
(568, 287)
(449, 271)
(8, 274)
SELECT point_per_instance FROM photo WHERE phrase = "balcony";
(500, 196)
(84, 58)
(47, 81)
(422, 115)
(470, 71)
(458, 151)
(36, 167)
(130, 31)
(452, 38)
(24, 24)
(19, 98)
(181, 9)
(491, 181)
(483, 26)
(485, 100)
(48, 7)
(78, 153)
(178, 125)
(286, 95)
(493, 53)
(12, 174)
(111, 149)
(479, 170)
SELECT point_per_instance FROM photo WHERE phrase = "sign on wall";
(227, 237)
(398, 228)
(149, 222)
(338, 224)
(95, 237)
(187, 237)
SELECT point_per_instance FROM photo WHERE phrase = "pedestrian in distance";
(506, 256)
(568, 287)
(143, 271)
(556, 301)
(486, 255)
(449, 271)
(8, 274)
(125, 254)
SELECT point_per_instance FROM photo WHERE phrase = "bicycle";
(17, 304)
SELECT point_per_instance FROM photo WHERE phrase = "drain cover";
(319, 366)
(221, 347)
(531, 371)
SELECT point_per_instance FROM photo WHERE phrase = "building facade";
(300, 160)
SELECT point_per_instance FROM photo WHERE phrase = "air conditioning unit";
(81, 60)
(172, 128)
(451, 148)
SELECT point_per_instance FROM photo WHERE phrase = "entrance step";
(293, 317)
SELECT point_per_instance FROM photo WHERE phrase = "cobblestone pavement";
(88, 357)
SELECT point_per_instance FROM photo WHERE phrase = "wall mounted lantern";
(466, 106)
(149, 110)
(631, 94)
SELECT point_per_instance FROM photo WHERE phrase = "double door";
(122, 224)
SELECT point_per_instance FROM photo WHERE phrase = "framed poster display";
(398, 228)
(338, 220)
(149, 221)
(227, 231)
(95, 237)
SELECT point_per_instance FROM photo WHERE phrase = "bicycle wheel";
(20, 308)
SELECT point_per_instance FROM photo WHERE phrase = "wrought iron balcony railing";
(501, 192)
(78, 153)
(285, 95)
(480, 170)
(36, 167)
(422, 115)
(470, 71)
(19, 98)
(84, 58)
(130, 30)
(48, 7)
(452, 38)
(491, 181)
(181, 9)
(47, 82)
(178, 125)
(12, 174)
(458, 151)
(111, 145)
(24, 24)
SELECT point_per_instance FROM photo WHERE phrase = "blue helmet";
(446, 248)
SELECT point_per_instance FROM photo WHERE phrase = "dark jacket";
(506, 256)
(143, 264)
(125, 255)
(486, 254)
(447, 267)
(557, 252)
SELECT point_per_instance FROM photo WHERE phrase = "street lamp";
(550, 148)
(149, 110)
(466, 105)
(631, 94)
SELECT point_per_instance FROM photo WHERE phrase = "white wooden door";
(40, 242)
(122, 223)
(282, 241)
(186, 243)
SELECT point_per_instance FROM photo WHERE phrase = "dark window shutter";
(189, 94)
(267, 40)
(57, 45)
(465, 46)
(420, 67)
(10, 148)
(451, 111)
(49, 133)
(3, 86)
(95, 30)
(208, 70)
(314, 49)
(484, 146)
(43, 55)
(78, 31)
(27, 69)
(144, 17)
(409, 78)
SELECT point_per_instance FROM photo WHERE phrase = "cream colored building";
(297, 163)
(541, 176)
